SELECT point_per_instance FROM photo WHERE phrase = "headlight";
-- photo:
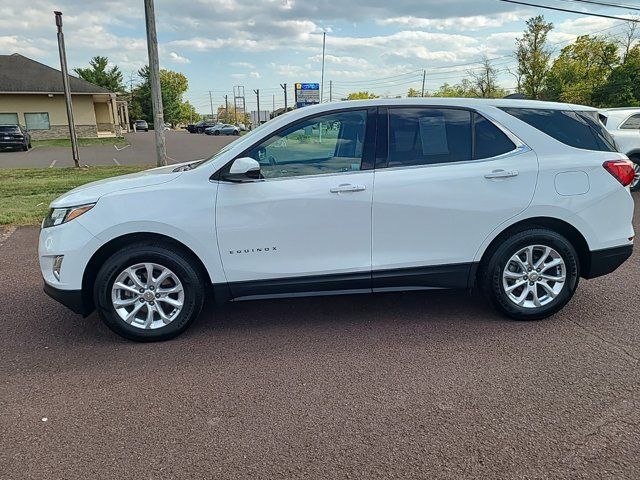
(58, 216)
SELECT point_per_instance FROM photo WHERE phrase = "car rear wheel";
(635, 185)
(148, 292)
(216, 132)
(25, 147)
(531, 275)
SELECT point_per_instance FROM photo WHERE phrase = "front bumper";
(72, 299)
(607, 260)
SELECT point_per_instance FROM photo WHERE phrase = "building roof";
(20, 74)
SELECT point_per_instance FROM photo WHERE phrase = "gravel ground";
(416, 385)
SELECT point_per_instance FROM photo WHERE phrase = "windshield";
(9, 128)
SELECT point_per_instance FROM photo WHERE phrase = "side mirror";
(244, 169)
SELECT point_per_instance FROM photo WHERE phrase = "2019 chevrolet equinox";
(517, 197)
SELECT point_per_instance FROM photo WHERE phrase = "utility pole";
(284, 87)
(211, 102)
(226, 108)
(424, 77)
(257, 92)
(67, 90)
(330, 90)
(154, 78)
(324, 40)
(273, 107)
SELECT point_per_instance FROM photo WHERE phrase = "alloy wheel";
(534, 276)
(147, 296)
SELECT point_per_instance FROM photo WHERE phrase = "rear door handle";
(501, 174)
(347, 187)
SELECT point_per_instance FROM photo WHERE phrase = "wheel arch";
(570, 232)
(117, 243)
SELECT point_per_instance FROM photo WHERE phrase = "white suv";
(520, 198)
(624, 126)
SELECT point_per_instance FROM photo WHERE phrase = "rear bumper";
(606, 261)
(72, 299)
(11, 143)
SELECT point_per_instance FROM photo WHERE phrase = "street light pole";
(257, 92)
(284, 87)
(154, 79)
(324, 40)
(67, 90)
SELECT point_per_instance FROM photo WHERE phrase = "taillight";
(622, 170)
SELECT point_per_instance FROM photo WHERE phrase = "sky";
(381, 46)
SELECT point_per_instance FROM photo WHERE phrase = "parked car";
(14, 137)
(141, 125)
(518, 198)
(223, 129)
(624, 126)
(200, 126)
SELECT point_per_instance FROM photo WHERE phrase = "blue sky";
(376, 45)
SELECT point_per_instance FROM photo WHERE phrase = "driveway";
(417, 385)
(181, 147)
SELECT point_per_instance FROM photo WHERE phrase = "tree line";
(173, 84)
(593, 70)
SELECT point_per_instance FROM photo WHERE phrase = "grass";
(25, 193)
(83, 142)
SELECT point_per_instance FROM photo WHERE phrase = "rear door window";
(576, 129)
(489, 140)
(632, 123)
(425, 136)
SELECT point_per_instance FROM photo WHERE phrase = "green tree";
(533, 55)
(361, 96)
(413, 93)
(581, 68)
(99, 74)
(173, 86)
(622, 87)
(485, 81)
(464, 89)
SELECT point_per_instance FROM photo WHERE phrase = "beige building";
(31, 94)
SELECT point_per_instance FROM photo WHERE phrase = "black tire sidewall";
(177, 263)
(636, 160)
(492, 282)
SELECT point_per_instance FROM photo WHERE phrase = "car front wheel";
(532, 274)
(635, 185)
(148, 292)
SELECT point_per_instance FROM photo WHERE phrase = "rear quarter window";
(631, 123)
(576, 129)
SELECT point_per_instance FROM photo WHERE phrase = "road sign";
(307, 94)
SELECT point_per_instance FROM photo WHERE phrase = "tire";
(183, 278)
(199, 130)
(636, 165)
(25, 147)
(493, 275)
(216, 132)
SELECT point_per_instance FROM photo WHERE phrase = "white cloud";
(178, 58)
(476, 22)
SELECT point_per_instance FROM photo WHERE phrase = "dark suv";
(200, 127)
(14, 137)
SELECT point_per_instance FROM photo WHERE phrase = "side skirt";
(400, 279)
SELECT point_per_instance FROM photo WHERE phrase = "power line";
(606, 4)
(571, 11)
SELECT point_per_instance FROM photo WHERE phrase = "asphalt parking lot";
(182, 146)
(415, 385)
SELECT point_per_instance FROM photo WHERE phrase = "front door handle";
(501, 174)
(347, 187)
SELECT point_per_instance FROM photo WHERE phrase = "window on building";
(8, 119)
(37, 121)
